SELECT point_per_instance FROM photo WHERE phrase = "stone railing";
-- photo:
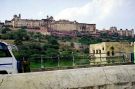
(108, 77)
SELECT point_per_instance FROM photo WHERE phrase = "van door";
(6, 59)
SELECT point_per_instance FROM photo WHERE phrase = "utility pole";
(42, 66)
(100, 58)
(58, 60)
(73, 59)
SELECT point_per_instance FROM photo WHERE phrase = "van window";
(4, 52)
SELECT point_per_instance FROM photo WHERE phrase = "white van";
(134, 52)
(8, 63)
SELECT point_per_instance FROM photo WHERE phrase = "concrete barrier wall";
(108, 77)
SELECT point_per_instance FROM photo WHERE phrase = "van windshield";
(4, 52)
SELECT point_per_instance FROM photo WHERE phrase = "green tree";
(31, 35)
(38, 36)
(21, 34)
(86, 50)
(18, 42)
(66, 55)
(5, 30)
(4, 36)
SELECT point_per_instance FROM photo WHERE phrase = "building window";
(112, 53)
(103, 48)
(100, 51)
(96, 51)
(108, 53)
(93, 51)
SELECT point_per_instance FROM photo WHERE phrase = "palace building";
(50, 24)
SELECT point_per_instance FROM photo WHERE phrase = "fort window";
(83, 28)
(133, 83)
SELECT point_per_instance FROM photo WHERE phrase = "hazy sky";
(104, 13)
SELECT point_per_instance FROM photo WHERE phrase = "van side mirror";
(13, 47)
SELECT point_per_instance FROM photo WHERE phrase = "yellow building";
(111, 52)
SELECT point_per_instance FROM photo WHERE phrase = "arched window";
(112, 48)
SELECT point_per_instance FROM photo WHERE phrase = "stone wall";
(108, 77)
(65, 25)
